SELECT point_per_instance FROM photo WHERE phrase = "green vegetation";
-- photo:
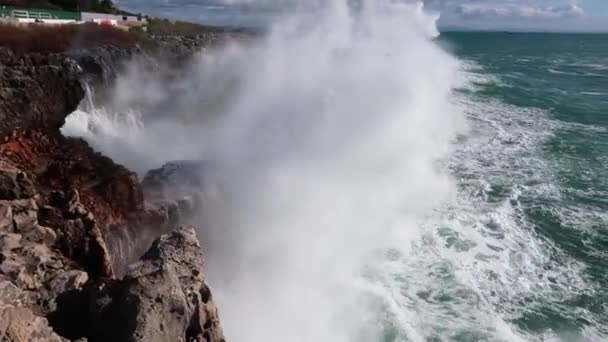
(100, 6)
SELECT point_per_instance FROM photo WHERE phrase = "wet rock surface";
(176, 179)
(102, 63)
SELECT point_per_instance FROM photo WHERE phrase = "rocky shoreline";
(87, 250)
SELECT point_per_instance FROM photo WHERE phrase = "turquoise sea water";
(537, 162)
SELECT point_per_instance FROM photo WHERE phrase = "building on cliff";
(49, 16)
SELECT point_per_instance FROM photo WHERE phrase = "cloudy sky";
(526, 15)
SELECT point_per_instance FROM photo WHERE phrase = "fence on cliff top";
(35, 13)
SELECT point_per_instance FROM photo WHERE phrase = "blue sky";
(526, 15)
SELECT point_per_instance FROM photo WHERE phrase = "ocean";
(383, 185)
(535, 167)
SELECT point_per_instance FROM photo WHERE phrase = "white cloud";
(518, 10)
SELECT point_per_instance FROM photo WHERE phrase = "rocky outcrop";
(32, 272)
(177, 47)
(36, 92)
(54, 262)
(102, 63)
(176, 179)
(20, 324)
(162, 298)
(72, 220)
(174, 195)
(44, 255)
(52, 162)
(79, 236)
(14, 183)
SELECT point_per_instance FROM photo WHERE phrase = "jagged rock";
(68, 281)
(12, 295)
(18, 324)
(163, 298)
(41, 234)
(101, 63)
(9, 241)
(176, 46)
(14, 184)
(78, 235)
(6, 217)
(180, 188)
(6, 55)
(28, 257)
(36, 92)
(177, 178)
(25, 214)
(29, 265)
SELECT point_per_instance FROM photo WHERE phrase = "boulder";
(162, 298)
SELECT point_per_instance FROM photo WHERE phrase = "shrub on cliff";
(60, 38)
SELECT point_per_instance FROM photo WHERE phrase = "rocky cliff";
(36, 92)
(72, 221)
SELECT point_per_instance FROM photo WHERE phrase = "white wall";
(90, 16)
(46, 21)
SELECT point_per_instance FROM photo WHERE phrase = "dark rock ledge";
(84, 255)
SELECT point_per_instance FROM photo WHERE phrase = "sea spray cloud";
(326, 137)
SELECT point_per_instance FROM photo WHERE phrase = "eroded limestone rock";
(163, 298)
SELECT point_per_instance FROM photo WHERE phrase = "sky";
(512, 15)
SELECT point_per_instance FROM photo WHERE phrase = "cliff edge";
(67, 216)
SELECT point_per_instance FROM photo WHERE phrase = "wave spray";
(326, 137)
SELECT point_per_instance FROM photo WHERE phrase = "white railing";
(31, 14)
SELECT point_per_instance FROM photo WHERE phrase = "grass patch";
(60, 38)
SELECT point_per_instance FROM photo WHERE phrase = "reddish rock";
(108, 190)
